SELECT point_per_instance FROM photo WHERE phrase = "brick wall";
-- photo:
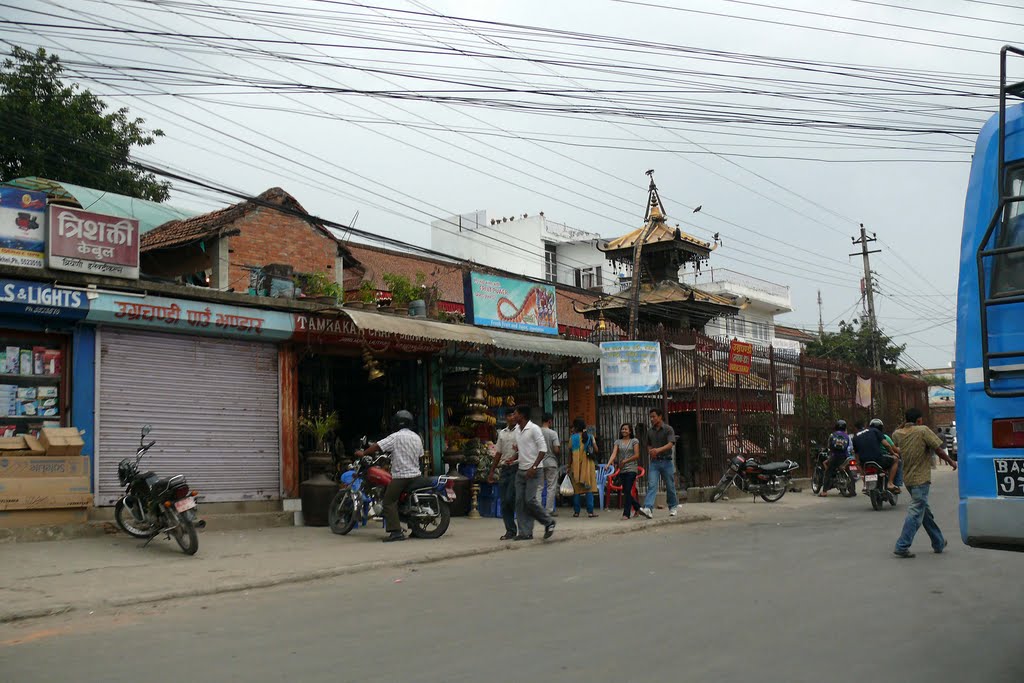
(269, 236)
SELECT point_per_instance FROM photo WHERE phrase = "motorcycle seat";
(775, 466)
(422, 483)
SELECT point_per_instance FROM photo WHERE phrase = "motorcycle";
(769, 480)
(424, 507)
(876, 486)
(153, 505)
(844, 481)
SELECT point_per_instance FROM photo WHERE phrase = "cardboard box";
(20, 519)
(27, 393)
(25, 367)
(21, 501)
(44, 486)
(29, 467)
(46, 392)
(23, 444)
(52, 362)
(11, 360)
(61, 441)
(27, 408)
(37, 359)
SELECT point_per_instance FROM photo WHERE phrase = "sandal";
(575, 514)
(591, 514)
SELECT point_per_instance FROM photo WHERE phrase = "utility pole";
(821, 319)
(869, 290)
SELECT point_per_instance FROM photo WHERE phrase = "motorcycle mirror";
(146, 430)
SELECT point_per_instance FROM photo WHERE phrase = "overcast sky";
(788, 137)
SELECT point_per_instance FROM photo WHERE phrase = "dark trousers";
(629, 503)
(833, 464)
(391, 495)
(507, 495)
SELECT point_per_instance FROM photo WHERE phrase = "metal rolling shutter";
(213, 404)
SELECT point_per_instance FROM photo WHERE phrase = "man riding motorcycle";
(890, 446)
(406, 448)
(839, 452)
(869, 445)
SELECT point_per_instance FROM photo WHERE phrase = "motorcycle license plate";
(185, 504)
(871, 477)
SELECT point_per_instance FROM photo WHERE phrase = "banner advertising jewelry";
(510, 304)
(22, 227)
(85, 242)
(630, 367)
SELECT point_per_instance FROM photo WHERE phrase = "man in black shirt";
(868, 446)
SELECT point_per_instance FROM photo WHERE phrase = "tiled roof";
(661, 233)
(784, 332)
(220, 223)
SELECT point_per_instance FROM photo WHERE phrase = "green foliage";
(63, 132)
(320, 427)
(367, 292)
(402, 289)
(854, 344)
(321, 284)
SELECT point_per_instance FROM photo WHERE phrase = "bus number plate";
(1009, 477)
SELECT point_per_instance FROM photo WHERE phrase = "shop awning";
(418, 328)
(550, 346)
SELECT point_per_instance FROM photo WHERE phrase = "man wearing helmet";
(839, 451)
(869, 446)
(890, 447)
(406, 449)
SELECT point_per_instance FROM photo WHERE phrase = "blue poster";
(21, 297)
(22, 227)
(510, 304)
(630, 367)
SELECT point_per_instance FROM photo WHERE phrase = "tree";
(854, 344)
(63, 132)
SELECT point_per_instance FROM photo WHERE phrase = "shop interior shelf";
(36, 379)
(37, 418)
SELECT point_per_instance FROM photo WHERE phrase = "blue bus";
(990, 330)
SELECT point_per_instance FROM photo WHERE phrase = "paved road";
(814, 595)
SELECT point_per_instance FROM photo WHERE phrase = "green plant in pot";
(321, 427)
(368, 294)
(402, 291)
(320, 286)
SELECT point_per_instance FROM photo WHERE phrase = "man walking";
(532, 451)
(661, 440)
(551, 462)
(505, 458)
(914, 440)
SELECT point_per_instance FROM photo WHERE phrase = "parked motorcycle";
(424, 507)
(876, 485)
(153, 505)
(844, 481)
(769, 480)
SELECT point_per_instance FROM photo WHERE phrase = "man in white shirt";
(532, 451)
(406, 448)
(505, 459)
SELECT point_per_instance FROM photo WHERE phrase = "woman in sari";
(582, 468)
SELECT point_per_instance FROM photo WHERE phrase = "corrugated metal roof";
(149, 214)
(549, 346)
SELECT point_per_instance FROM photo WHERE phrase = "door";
(213, 405)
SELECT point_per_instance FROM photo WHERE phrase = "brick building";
(223, 248)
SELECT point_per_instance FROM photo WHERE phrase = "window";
(735, 327)
(1008, 269)
(589, 278)
(550, 263)
(759, 331)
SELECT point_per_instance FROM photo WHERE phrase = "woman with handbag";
(582, 468)
(627, 451)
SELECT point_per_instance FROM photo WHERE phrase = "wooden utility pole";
(869, 292)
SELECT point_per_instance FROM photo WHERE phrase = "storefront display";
(33, 383)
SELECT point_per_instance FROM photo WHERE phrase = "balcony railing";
(731, 277)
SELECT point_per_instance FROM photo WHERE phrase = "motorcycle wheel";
(775, 496)
(721, 488)
(876, 499)
(846, 485)
(126, 521)
(341, 515)
(817, 479)
(432, 528)
(185, 535)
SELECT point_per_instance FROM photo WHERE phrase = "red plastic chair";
(615, 489)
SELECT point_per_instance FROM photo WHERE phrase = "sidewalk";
(45, 578)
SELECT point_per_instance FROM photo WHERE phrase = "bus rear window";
(1008, 269)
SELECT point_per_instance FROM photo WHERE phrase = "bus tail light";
(1008, 433)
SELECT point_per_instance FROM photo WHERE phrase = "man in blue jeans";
(661, 446)
(914, 439)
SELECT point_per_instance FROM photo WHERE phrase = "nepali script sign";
(630, 367)
(740, 357)
(191, 317)
(85, 242)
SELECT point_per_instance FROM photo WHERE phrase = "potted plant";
(317, 491)
(319, 286)
(320, 426)
(402, 291)
(368, 294)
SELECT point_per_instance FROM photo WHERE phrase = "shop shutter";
(213, 405)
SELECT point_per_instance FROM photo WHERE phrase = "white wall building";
(761, 301)
(535, 246)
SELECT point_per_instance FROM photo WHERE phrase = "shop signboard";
(191, 317)
(740, 357)
(22, 227)
(94, 243)
(341, 331)
(630, 367)
(21, 297)
(510, 304)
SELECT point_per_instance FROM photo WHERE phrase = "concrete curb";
(306, 576)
